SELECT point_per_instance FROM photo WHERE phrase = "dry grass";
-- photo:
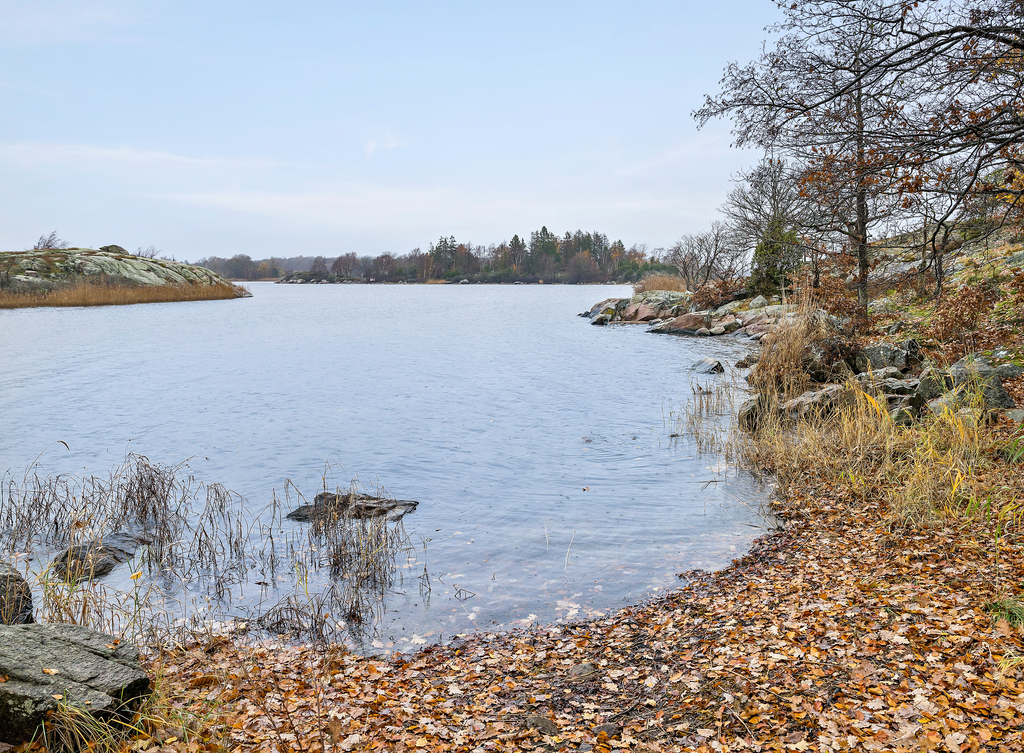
(780, 366)
(149, 721)
(195, 547)
(660, 282)
(915, 474)
(951, 466)
(104, 294)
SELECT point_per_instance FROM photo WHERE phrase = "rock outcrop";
(47, 665)
(670, 313)
(50, 269)
(353, 505)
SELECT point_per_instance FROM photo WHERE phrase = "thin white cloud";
(705, 147)
(51, 21)
(30, 153)
(364, 209)
(388, 142)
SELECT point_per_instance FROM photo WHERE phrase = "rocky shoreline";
(672, 313)
(898, 375)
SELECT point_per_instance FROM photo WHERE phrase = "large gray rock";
(897, 386)
(50, 664)
(905, 409)
(870, 377)
(817, 404)
(56, 268)
(15, 597)
(974, 373)
(759, 302)
(821, 367)
(708, 366)
(88, 561)
(1009, 371)
(728, 308)
(353, 505)
(881, 356)
(934, 383)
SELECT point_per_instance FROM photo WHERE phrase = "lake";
(537, 445)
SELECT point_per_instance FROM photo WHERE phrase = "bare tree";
(345, 265)
(807, 97)
(710, 255)
(319, 266)
(147, 253)
(50, 242)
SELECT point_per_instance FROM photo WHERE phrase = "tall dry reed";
(106, 294)
(192, 548)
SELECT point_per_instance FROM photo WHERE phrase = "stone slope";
(49, 269)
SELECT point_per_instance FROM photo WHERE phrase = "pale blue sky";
(210, 128)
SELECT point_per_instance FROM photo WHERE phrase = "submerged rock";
(45, 665)
(92, 560)
(353, 505)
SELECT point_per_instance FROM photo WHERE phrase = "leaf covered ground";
(836, 632)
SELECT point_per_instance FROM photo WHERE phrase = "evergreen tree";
(776, 258)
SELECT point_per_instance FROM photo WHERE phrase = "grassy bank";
(85, 293)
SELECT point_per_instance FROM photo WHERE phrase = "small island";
(109, 275)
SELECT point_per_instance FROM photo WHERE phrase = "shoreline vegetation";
(883, 613)
(85, 293)
(580, 257)
(109, 276)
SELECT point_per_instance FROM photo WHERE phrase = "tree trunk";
(861, 231)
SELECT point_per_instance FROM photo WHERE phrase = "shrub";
(958, 315)
(49, 242)
(713, 294)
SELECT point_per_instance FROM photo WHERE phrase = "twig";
(568, 550)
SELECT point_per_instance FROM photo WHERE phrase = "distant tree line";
(579, 257)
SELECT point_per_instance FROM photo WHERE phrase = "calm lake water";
(538, 445)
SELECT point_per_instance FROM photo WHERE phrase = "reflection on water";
(538, 447)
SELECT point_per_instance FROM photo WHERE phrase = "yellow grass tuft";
(105, 294)
(660, 282)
